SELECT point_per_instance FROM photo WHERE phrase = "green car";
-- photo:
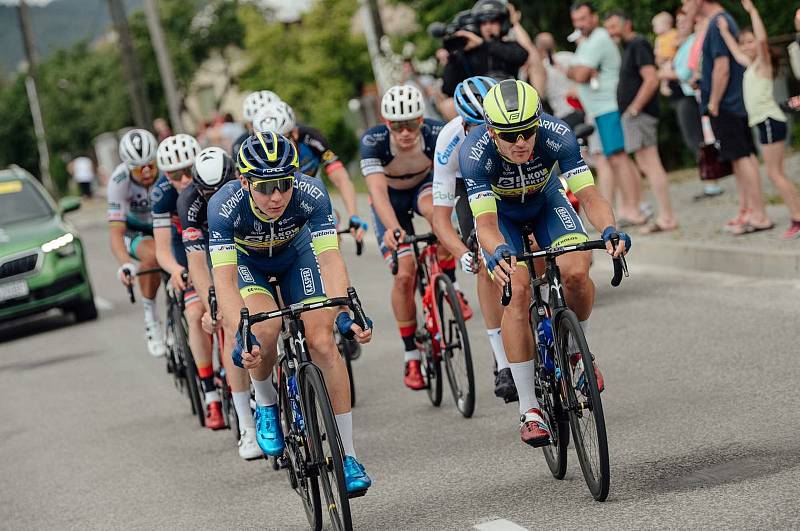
(42, 258)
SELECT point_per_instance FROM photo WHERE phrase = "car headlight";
(62, 242)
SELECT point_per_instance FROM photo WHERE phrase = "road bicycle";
(313, 456)
(443, 333)
(220, 374)
(349, 348)
(561, 349)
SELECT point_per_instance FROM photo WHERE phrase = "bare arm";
(719, 82)
(760, 33)
(228, 296)
(379, 193)
(537, 75)
(597, 208)
(647, 90)
(166, 260)
(198, 273)
(580, 73)
(116, 233)
(334, 273)
(732, 45)
(341, 179)
(445, 231)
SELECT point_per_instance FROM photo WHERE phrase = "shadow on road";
(28, 365)
(46, 322)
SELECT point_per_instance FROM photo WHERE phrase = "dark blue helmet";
(267, 156)
(469, 96)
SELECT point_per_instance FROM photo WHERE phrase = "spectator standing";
(82, 171)
(487, 54)
(752, 51)
(229, 131)
(533, 68)
(560, 89)
(794, 47)
(162, 129)
(721, 98)
(595, 67)
(637, 98)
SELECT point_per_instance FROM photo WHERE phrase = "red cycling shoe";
(577, 372)
(214, 418)
(413, 378)
(533, 429)
(466, 310)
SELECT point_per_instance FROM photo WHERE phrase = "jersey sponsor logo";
(481, 195)
(575, 171)
(557, 128)
(488, 165)
(308, 280)
(476, 151)
(373, 139)
(566, 219)
(469, 183)
(552, 144)
(192, 234)
(443, 156)
(223, 248)
(119, 177)
(216, 234)
(229, 206)
(309, 188)
(257, 226)
(306, 207)
(245, 274)
(321, 233)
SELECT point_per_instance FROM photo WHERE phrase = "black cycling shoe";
(504, 386)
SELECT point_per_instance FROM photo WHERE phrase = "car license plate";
(12, 290)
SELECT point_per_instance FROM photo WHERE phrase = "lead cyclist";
(508, 166)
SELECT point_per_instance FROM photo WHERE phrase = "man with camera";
(477, 48)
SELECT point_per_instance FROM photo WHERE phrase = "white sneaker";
(248, 447)
(155, 339)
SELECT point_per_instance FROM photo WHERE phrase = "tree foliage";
(317, 65)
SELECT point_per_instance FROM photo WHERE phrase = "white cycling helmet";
(402, 102)
(255, 101)
(212, 168)
(177, 152)
(277, 117)
(137, 147)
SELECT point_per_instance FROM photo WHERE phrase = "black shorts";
(466, 223)
(771, 131)
(733, 135)
(86, 189)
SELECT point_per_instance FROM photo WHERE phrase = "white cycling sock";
(523, 374)
(212, 396)
(499, 351)
(266, 395)
(150, 310)
(344, 422)
(456, 286)
(412, 355)
(241, 402)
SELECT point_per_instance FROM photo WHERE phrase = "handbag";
(711, 167)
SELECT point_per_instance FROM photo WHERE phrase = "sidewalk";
(700, 244)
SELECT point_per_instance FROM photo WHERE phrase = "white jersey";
(128, 201)
(445, 162)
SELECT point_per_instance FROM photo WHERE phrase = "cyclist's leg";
(423, 205)
(142, 247)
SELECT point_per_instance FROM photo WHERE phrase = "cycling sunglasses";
(177, 175)
(138, 170)
(408, 125)
(268, 187)
(512, 136)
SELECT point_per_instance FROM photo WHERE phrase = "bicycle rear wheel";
(585, 407)
(457, 354)
(326, 447)
(431, 367)
(187, 366)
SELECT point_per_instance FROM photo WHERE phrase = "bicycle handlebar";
(428, 238)
(506, 298)
(212, 303)
(129, 285)
(359, 243)
(351, 301)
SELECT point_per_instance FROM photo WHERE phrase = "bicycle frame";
(428, 270)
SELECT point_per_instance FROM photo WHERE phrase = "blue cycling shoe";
(268, 430)
(355, 477)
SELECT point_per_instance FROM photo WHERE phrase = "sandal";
(654, 228)
(747, 228)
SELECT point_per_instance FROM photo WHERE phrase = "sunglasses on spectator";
(513, 136)
(408, 125)
(282, 185)
(177, 175)
(138, 170)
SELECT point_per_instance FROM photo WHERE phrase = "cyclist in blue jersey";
(508, 170)
(212, 169)
(176, 155)
(314, 152)
(396, 161)
(131, 225)
(279, 224)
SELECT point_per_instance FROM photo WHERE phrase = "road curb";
(697, 256)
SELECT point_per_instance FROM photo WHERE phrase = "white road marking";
(500, 525)
(103, 304)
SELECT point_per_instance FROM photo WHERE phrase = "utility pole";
(130, 66)
(164, 64)
(33, 96)
(373, 31)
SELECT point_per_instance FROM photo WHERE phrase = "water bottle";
(298, 415)
(544, 342)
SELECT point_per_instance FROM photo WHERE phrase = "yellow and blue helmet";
(512, 105)
(267, 156)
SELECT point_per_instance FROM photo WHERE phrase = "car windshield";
(21, 201)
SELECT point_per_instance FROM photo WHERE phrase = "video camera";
(463, 20)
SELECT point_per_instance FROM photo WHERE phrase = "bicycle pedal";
(283, 462)
(510, 399)
(356, 494)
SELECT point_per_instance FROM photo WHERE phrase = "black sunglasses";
(282, 185)
(512, 136)
(409, 125)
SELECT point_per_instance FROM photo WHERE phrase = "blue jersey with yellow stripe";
(236, 225)
(489, 177)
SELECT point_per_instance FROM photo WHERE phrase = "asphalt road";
(701, 374)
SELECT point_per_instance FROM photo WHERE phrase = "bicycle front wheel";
(585, 406)
(457, 354)
(326, 446)
(187, 366)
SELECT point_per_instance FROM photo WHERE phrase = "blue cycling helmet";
(266, 156)
(469, 96)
